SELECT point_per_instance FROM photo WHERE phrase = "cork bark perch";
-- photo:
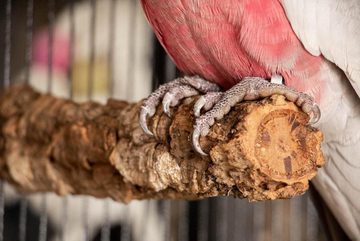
(260, 150)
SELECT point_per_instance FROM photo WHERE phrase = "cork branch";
(260, 150)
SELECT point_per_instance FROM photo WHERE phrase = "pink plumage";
(226, 40)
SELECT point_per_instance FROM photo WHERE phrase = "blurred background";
(98, 49)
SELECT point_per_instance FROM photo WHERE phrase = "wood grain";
(260, 150)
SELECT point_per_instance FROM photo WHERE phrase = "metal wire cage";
(94, 50)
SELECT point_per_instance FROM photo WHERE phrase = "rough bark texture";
(260, 150)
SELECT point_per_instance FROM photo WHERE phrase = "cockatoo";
(239, 45)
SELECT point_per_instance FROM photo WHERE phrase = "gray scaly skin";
(216, 103)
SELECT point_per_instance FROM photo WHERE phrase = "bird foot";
(171, 93)
(217, 103)
(206, 102)
(250, 88)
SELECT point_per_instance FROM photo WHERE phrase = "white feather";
(332, 28)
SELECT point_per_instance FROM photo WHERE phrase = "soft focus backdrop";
(98, 49)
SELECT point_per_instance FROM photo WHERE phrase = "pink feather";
(225, 40)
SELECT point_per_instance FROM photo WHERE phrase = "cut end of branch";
(260, 150)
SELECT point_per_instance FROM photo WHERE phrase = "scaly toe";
(249, 88)
(170, 94)
(206, 102)
(175, 95)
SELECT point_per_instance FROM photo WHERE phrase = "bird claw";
(166, 104)
(171, 93)
(144, 113)
(247, 89)
(216, 103)
(199, 105)
(314, 114)
(201, 128)
(206, 102)
(196, 143)
(307, 105)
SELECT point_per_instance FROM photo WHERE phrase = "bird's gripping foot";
(217, 104)
(171, 93)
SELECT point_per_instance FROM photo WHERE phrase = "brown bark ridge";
(260, 150)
